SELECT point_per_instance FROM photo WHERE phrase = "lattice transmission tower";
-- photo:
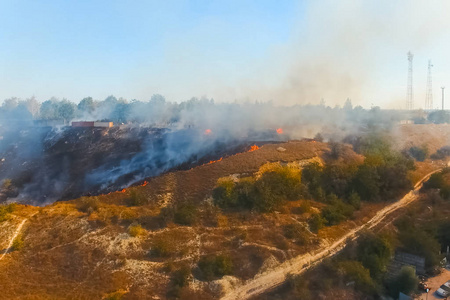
(429, 95)
(409, 90)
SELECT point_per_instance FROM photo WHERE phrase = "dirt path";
(299, 264)
(16, 233)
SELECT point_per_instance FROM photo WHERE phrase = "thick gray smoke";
(47, 160)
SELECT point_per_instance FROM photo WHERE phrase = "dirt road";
(299, 264)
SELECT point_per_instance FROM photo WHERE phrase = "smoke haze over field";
(290, 52)
(48, 163)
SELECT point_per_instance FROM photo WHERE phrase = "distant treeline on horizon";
(159, 111)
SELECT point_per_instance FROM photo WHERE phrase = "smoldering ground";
(49, 163)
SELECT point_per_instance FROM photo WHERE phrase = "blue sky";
(132, 48)
(286, 51)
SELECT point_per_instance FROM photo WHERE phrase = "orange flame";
(253, 148)
(214, 161)
(208, 131)
(279, 130)
(145, 183)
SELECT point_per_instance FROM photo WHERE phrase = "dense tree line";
(157, 110)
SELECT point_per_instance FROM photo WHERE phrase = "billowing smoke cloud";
(354, 49)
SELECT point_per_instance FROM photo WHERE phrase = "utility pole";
(429, 95)
(409, 90)
(443, 97)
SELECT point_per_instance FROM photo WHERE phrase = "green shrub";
(180, 277)
(136, 230)
(6, 210)
(441, 153)
(356, 272)
(296, 232)
(136, 199)
(266, 193)
(162, 247)
(316, 222)
(88, 204)
(436, 181)
(299, 287)
(224, 194)
(445, 192)
(18, 243)
(186, 214)
(374, 252)
(336, 212)
(212, 266)
(354, 200)
(419, 153)
(406, 282)
(420, 242)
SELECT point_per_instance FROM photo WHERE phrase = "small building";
(103, 124)
(405, 259)
(82, 124)
(92, 124)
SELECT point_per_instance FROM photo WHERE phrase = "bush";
(419, 153)
(419, 242)
(374, 252)
(6, 210)
(180, 277)
(305, 207)
(406, 282)
(445, 192)
(312, 177)
(336, 150)
(162, 247)
(136, 230)
(299, 287)
(316, 222)
(88, 204)
(136, 199)
(186, 214)
(436, 181)
(356, 272)
(354, 200)
(18, 243)
(441, 153)
(224, 194)
(266, 193)
(296, 232)
(336, 212)
(215, 266)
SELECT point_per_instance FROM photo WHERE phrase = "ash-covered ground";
(41, 165)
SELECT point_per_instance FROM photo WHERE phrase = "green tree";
(406, 282)
(66, 110)
(356, 272)
(86, 105)
(374, 252)
(316, 222)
